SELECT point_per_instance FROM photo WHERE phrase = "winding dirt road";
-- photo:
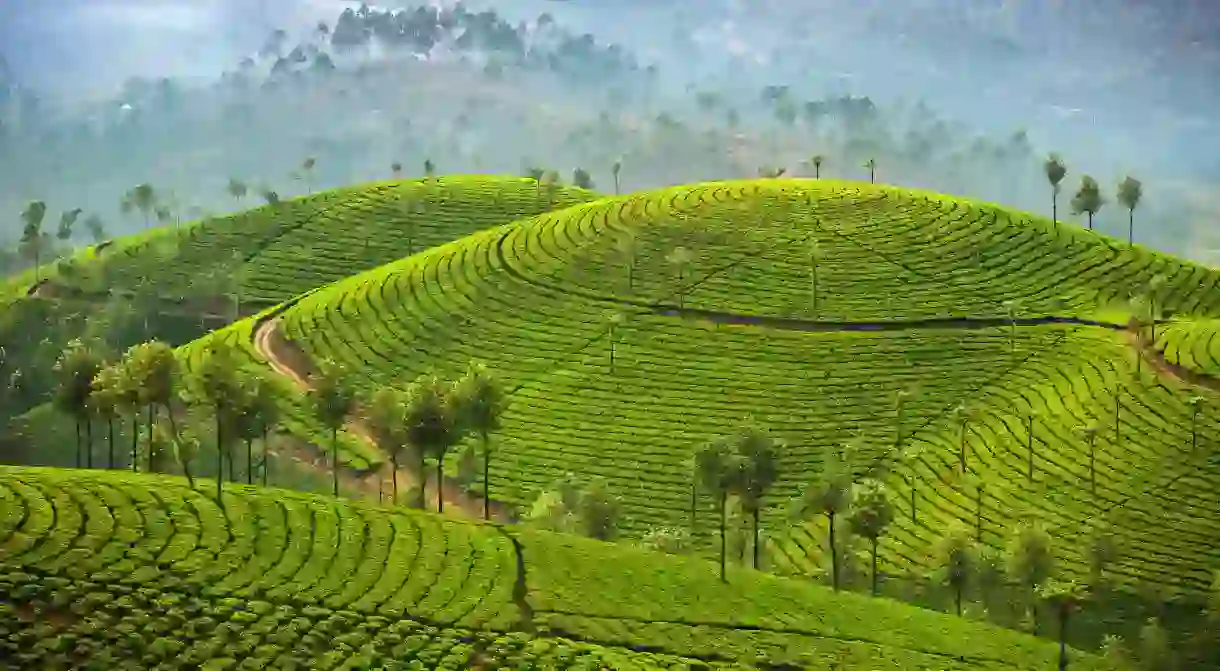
(288, 360)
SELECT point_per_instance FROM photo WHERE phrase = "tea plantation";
(110, 570)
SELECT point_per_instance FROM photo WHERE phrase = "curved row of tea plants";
(1192, 344)
(138, 571)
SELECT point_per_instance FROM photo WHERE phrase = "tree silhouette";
(386, 415)
(307, 167)
(1055, 172)
(872, 170)
(1130, 191)
(237, 189)
(219, 382)
(962, 415)
(96, 228)
(480, 403)
(32, 242)
(1089, 433)
(431, 428)
(759, 470)
(331, 401)
(1088, 199)
(817, 161)
(429, 169)
(956, 556)
(871, 513)
(66, 221)
(829, 495)
(581, 179)
(142, 198)
(75, 370)
(680, 258)
(1194, 403)
(615, 170)
(106, 402)
(131, 400)
(718, 471)
(396, 170)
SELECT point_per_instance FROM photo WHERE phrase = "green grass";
(531, 299)
(138, 571)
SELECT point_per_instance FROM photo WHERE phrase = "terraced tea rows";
(1193, 344)
(694, 355)
(136, 571)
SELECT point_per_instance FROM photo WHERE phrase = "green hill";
(933, 301)
(113, 570)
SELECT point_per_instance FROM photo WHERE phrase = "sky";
(1117, 85)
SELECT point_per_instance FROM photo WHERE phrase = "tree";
(900, 403)
(131, 400)
(1055, 172)
(1089, 433)
(872, 170)
(871, 513)
(815, 256)
(1029, 560)
(106, 402)
(66, 221)
(1155, 651)
(237, 189)
(956, 556)
(681, 258)
(386, 415)
(550, 185)
(431, 428)
(331, 401)
(31, 235)
(718, 470)
(75, 370)
(158, 370)
(480, 405)
(219, 384)
(615, 170)
(598, 511)
(1088, 199)
(759, 467)
(1064, 597)
(396, 170)
(186, 448)
(429, 169)
(829, 495)
(271, 197)
(266, 414)
(581, 179)
(143, 198)
(96, 228)
(1194, 403)
(1156, 287)
(1130, 190)
(307, 167)
(614, 320)
(1102, 552)
(817, 161)
(629, 246)
(962, 415)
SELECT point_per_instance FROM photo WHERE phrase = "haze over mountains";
(1116, 87)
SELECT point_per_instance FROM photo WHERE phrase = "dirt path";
(1156, 359)
(288, 360)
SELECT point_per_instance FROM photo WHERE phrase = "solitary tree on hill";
(615, 170)
(76, 369)
(31, 235)
(872, 170)
(431, 428)
(718, 470)
(759, 470)
(1064, 597)
(956, 555)
(870, 514)
(1030, 560)
(266, 414)
(332, 401)
(480, 405)
(550, 186)
(396, 170)
(237, 189)
(581, 179)
(1088, 199)
(307, 167)
(830, 494)
(1194, 404)
(1055, 172)
(269, 196)
(816, 162)
(1130, 191)
(66, 222)
(429, 169)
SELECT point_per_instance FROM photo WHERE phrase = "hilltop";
(100, 565)
(910, 305)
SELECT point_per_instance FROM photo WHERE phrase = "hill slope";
(950, 302)
(107, 562)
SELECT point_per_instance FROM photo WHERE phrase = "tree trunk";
(754, 547)
(78, 445)
(264, 469)
(110, 442)
(1054, 205)
(1090, 221)
(135, 447)
(249, 461)
(957, 598)
(423, 481)
(616, 184)
(334, 459)
(874, 571)
(88, 442)
(150, 436)
(486, 475)
(834, 551)
(1092, 468)
(394, 475)
(1130, 227)
(220, 458)
(186, 470)
(724, 504)
(440, 482)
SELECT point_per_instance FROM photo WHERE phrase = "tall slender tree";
(1089, 433)
(628, 245)
(219, 385)
(1064, 597)
(615, 170)
(962, 415)
(956, 555)
(67, 220)
(396, 170)
(332, 401)
(829, 495)
(871, 513)
(237, 189)
(106, 401)
(872, 170)
(142, 198)
(1055, 172)
(76, 369)
(1130, 191)
(817, 162)
(719, 471)
(614, 320)
(1030, 560)
(307, 167)
(681, 259)
(385, 413)
(1088, 199)
(431, 428)
(32, 238)
(480, 404)
(759, 471)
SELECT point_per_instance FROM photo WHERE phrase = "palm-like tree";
(681, 258)
(307, 167)
(1130, 191)
(718, 470)
(96, 228)
(66, 222)
(962, 415)
(106, 402)
(479, 405)
(396, 170)
(871, 513)
(759, 470)
(1055, 172)
(429, 168)
(76, 369)
(1088, 199)
(829, 495)
(816, 162)
(31, 235)
(332, 401)
(237, 189)
(431, 428)
(1064, 597)
(872, 170)
(615, 170)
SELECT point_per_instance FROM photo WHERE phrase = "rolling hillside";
(114, 570)
(909, 305)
